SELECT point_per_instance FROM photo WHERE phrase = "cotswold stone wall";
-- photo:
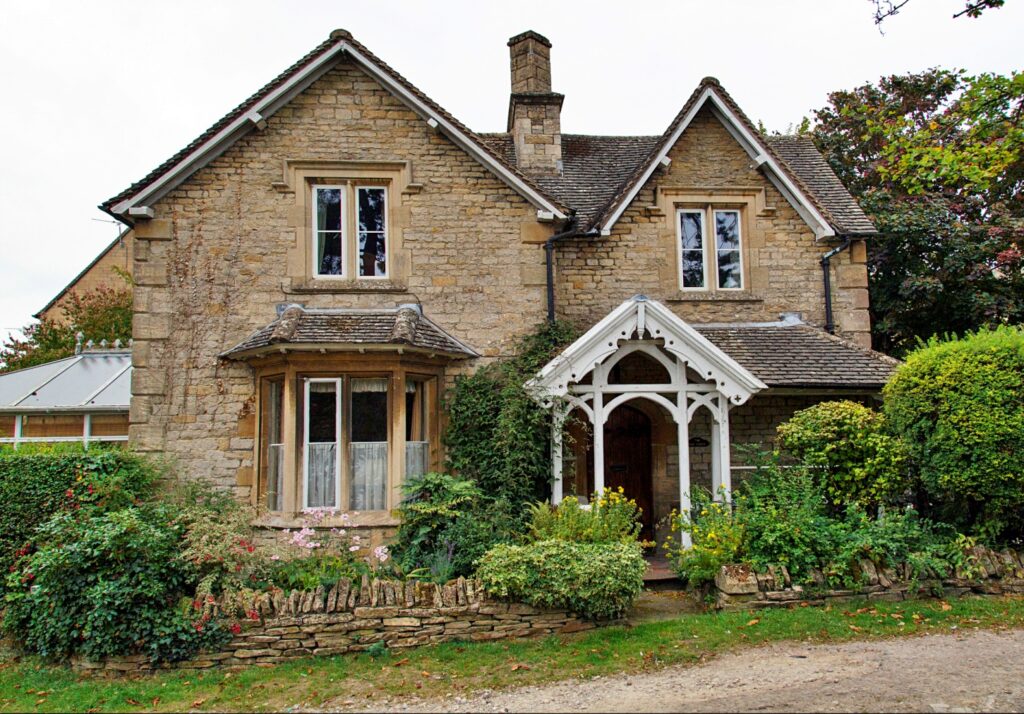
(738, 587)
(352, 616)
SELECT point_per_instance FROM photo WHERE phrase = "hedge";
(36, 483)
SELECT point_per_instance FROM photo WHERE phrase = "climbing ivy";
(497, 435)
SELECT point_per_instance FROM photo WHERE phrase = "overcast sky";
(95, 94)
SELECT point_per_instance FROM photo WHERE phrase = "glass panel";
(329, 260)
(372, 232)
(727, 237)
(691, 235)
(321, 445)
(328, 209)
(273, 444)
(369, 447)
(417, 444)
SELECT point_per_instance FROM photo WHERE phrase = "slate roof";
(804, 159)
(402, 326)
(793, 354)
(93, 381)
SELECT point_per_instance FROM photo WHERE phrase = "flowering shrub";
(716, 540)
(611, 518)
(110, 583)
(596, 580)
(37, 482)
(320, 557)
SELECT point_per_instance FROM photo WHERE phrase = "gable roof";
(710, 93)
(635, 319)
(264, 103)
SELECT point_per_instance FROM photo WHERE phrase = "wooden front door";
(627, 460)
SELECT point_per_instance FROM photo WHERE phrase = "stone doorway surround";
(700, 375)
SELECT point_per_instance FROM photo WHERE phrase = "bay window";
(710, 262)
(345, 441)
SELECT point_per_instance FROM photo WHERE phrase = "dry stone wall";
(739, 587)
(353, 616)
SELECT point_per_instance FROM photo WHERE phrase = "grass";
(461, 668)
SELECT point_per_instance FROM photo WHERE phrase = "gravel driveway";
(975, 672)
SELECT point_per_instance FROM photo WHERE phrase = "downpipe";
(826, 277)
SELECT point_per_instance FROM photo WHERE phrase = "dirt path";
(980, 671)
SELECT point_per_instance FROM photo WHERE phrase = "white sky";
(95, 94)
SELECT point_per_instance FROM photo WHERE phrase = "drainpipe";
(570, 231)
(826, 275)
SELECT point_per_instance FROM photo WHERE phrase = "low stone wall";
(738, 587)
(352, 616)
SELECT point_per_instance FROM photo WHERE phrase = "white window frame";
(339, 398)
(710, 254)
(702, 212)
(739, 249)
(314, 232)
(387, 234)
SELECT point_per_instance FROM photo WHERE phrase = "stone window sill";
(362, 519)
(715, 297)
(344, 286)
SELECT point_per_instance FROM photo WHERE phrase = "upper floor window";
(710, 260)
(350, 243)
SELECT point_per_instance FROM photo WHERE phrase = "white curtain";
(275, 467)
(417, 458)
(369, 475)
(369, 459)
(321, 475)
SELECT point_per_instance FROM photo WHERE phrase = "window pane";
(328, 209)
(691, 236)
(321, 445)
(329, 261)
(692, 230)
(372, 232)
(417, 444)
(272, 466)
(730, 274)
(369, 447)
(727, 229)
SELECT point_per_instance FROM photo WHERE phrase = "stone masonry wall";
(351, 617)
(101, 275)
(219, 255)
(738, 587)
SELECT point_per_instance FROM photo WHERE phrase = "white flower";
(381, 553)
(353, 548)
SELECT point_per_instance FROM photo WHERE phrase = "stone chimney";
(534, 111)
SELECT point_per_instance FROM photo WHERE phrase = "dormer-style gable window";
(710, 249)
(350, 243)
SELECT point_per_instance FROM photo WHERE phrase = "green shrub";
(596, 580)
(716, 538)
(853, 456)
(109, 583)
(612, 518)
(446, 525)
(36, 483)
(957, 405)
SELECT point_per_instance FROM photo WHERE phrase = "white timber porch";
(699, 375)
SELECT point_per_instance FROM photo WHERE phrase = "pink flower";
(381, 553)
(275, 557)
(353, 548)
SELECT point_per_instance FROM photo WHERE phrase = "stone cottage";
(315, 268)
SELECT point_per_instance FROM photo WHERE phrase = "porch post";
(17, 430)
(86, 430)
(721, 466)
(683, 438)
(598, 439)
(557, 421)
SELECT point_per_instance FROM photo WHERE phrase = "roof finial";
(79, 336)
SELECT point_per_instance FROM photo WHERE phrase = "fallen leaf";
(753, 622)
(855, 628)
(198, 703)
(896, 615)
(399, 663)
(518, 666)
(946, 607)
(425, 673)
(156, 700)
